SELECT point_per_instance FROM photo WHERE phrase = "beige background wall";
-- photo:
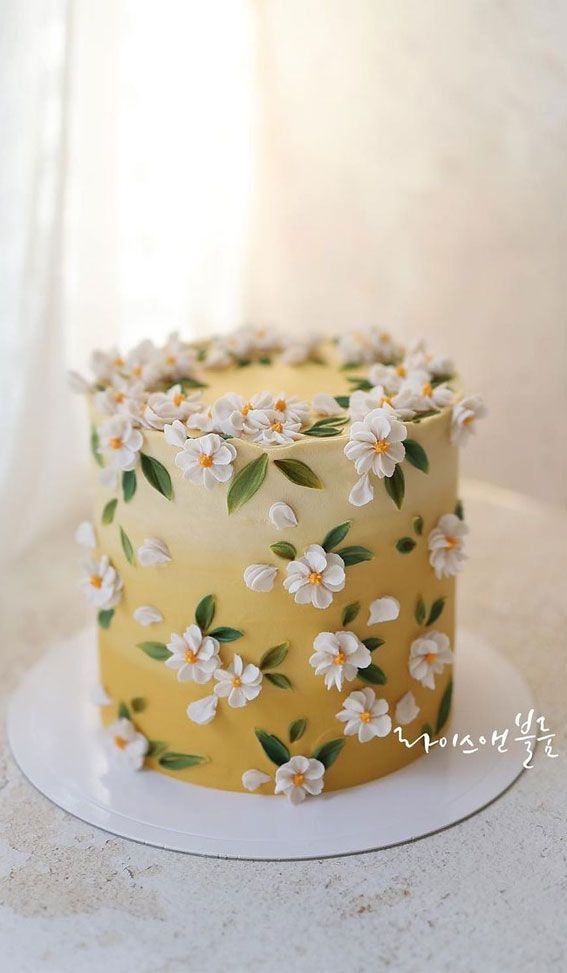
(412, 173)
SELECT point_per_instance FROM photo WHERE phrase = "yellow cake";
(276, 536)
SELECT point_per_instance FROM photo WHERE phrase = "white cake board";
(55, 735)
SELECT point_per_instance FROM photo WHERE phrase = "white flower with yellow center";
(194, 656)
(271, 428)
(300, 777)
(325, 405)
(233, 414)
(126, 744)
(338, 656)
(418, 358)
(376, 444)
(298, 348)
(263, 338)
(206, 460)
(120, 443)
(122, 398)
(102, 584)
(141, 364)
(290, 408)
(397, 404)
(106, 366)
(238, 682)
(390, 377)
(464, 418)
(428, 657)
(176, 360)
(423, 395)
(218, 356)
(446, 546)
(365, 716)
(357, 347)
(315, 577)
(175, 404)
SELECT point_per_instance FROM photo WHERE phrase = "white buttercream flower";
(299, 777)
(120, 443)
(253, 779)
(418, 358)
(238, 682)
(423, 396)
(464, 418)
(365, 716)
(141, 364)
(206, 460)
(389, 377)
(234, 414)
(203, 711)
(147, 615)
(338, 656)
(260, 577)
(85, 534)
(428, 657)
(263, 338)
(195, 656)
(271, 428)
(385, 609)
(376, 444)
(128, 746)
(367, 345)
(176, 434)
(406, 709)
(362, 492)
(102, 584)
(398, 404)
(446, 546)
(106, 365)
(218, 356)
(298, 348)
(290, 408)
(315, 577)
(326, 405)
(206, 421)
(176, 360)
(124, 398)
(153, 552)
(282, 516)
(165, 407)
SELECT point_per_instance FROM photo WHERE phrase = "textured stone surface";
(487, 894)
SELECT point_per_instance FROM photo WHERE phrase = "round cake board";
(56, 738)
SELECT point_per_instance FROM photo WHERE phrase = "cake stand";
(55, 735)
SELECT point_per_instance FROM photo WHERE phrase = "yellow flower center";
(385, 400)
(468, 420)
(280, 405)
(236, 682)
(246, 408)
(115, 442)
(298, 779)
(119, 396)
(190, 656)
(205, 459)
(119, 362)
(96, 580)
(340, 659)
(381, 446)
(170, 359)
(427, 390)
(430, 657)
(401, 371)
(178, 399)
(277, 427)
(451, 542)
(137, 371)
(314, 577)
(365, 717)
(386, 336)
(120, 742)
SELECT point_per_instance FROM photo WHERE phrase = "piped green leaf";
(205, 612)
(360, 384)
(343, 401)
(405, 545)
(156, 747)
(246, 483)
(373, 675)
(109, 511)
(299, 473)
(284, 549)
(350, 612)
(459, 510)
(123, 711)
(156, 475)
(226, 634)
(275, 750)
(95, 447)
(417, 524)
(155, 650)
(372, 643)
(327, 427)
(105, 617)
(354, 555)
(297, 729)
(179, 761)
(327, 753)
(336, 535)
(278, 679)
(419, 611)
(435, 610)
(129, 485)
(191, 383)
(138, 704)
(127, 547)
(444, 707)
(395, 486)
(274, 657)
(416, 455)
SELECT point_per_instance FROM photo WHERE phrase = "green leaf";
(129, 485)
(350, 612)
(416, 455)
(105, 617)
(95, 447)
(246, 483)
(278, 679)
(435, 610)
(157, 475)
(327, 753)
(109, 511)
(226, 634)
(274, 657)
(425, 415)
(420, 611)
(191, 383)
(275, 750)
(360, 384)
(123, 711)
(284, 549)
(155, 650)
(329, 426)
(405, 544)
(395, 486)
(179, 761)
(299, 473)
(354, 555)
(156, 747)
(417, 524)
(138, 704)
(343, 401)
(372, 674)
(444, 707)
(297, 729)
(372, 643)
(265, 360)
(427, 728)
(127, 547)
(205, 612)
(336, 535)
(459, 510)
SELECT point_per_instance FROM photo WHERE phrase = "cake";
(272, 559)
